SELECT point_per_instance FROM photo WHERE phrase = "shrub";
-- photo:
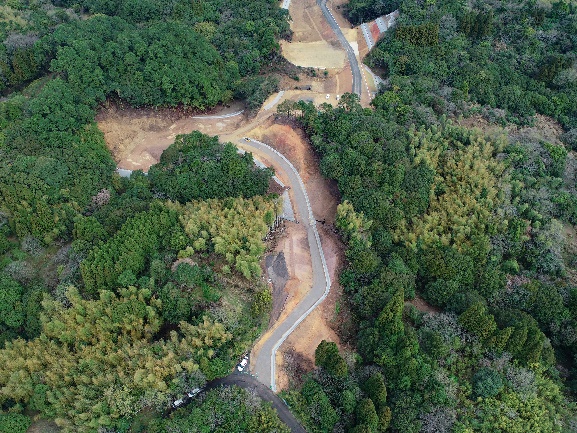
(14, 423)
(487, 383)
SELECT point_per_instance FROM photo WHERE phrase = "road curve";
(355, 69)
(248, 382)
(264, 365)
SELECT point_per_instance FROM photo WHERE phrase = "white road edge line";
(323, 261)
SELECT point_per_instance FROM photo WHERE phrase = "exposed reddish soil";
(138, 136)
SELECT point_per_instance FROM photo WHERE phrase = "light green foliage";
(232, 228)
(420, 35)
(355, 230)
(463, 195)
(354, 226)
(262, 303)
(534, 410)
(114, 337)
(559, 156)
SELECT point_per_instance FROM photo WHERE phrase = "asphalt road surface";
(248, 382)
(263, 365)
(357, 78)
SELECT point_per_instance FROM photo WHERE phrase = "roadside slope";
(265, 361)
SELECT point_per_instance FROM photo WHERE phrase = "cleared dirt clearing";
(313, 54)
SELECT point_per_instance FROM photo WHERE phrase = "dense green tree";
(327, 356)
(129, 250)
(14, 423)
(376, 389)
(197, 166)
(366, 415)
(224, 410)
(487, 383)
(11, 306)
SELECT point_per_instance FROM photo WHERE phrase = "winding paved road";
(355, 69)
(263, 366)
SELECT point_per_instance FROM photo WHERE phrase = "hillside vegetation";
(479, 224)
(111, 306)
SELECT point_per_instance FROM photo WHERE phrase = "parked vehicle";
(178, 403)
(192, 393)
(243, 363)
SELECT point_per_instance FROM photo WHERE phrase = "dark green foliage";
(359, 11)
(327, 356)
(376, 389)
(53, 165)
(487, 383)
(322, 415)
(366, 415)
(11, 307)
(527, 341)
(255, 90)
(163, 64)
(88, 229)
(190, 291)
(224, 410)
(440, 292)
(129, 250)
(478, 321)
(389, 183)
(492, 55)
(491, 281)
(146, 53)
(197, 166)
(476, 25)
(14, 423)
(4, 243)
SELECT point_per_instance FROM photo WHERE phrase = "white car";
(242, 364)
(338, 97)
(193, 392)
(178, 403)
(328, 96)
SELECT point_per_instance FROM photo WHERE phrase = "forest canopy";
(460, 241)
